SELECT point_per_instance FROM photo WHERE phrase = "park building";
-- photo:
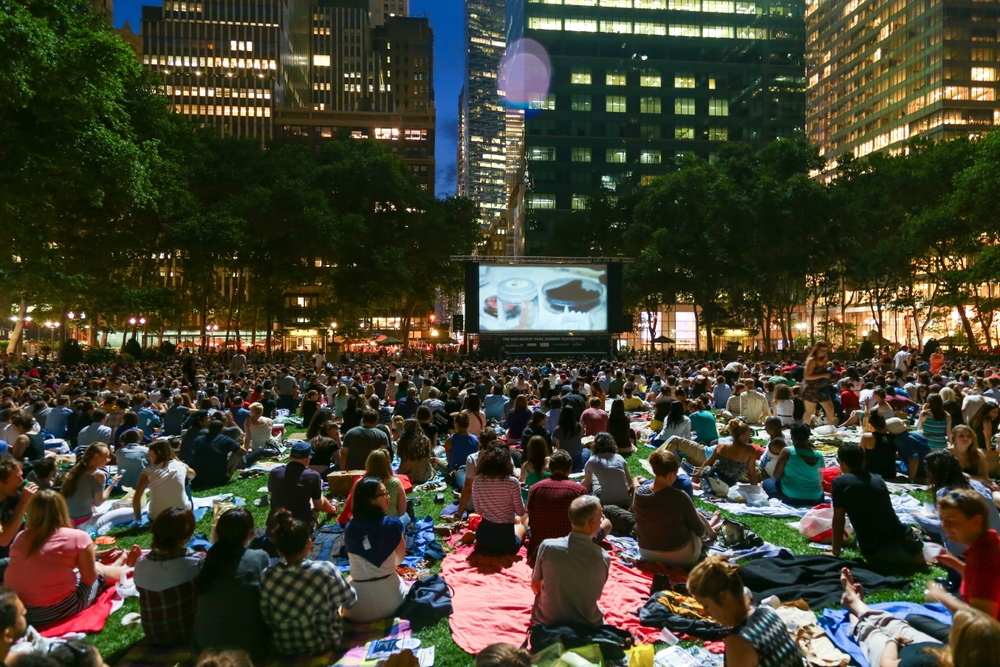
(635, 84)
(883, 72)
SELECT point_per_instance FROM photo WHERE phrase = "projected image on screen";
(543, 298)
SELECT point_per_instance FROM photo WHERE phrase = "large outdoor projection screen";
(540, 298)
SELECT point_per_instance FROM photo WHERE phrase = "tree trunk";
(969, 333)
(697, 334)
(229, 317)
(812, 321)
(843, 312)
(404, 327)
(268, 334)
(16, 344)
(253, 335)
(204, 321)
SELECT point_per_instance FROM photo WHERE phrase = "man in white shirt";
(902, 359)
(319, 359)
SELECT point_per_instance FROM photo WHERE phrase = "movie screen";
(558, 298)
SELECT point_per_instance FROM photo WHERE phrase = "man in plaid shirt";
(549, 501)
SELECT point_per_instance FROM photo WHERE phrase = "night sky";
(449, 67)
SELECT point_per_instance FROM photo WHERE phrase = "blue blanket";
(837, 627)
(421, 544)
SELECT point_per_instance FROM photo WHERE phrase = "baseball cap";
(301, 449)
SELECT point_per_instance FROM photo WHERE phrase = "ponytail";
(80, 467)
(289, 534)
(234, 527)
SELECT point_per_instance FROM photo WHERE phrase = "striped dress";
(936, 432)
(766, 632)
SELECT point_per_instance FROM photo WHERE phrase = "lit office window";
(617, 27)
(542, 153)
(684, 106)
(543, 23)
(547, 103)
(614, 79)
(580, 103)
(391, 133)
(621, 4)
(718, 107)
(718, 31)
(650, 4)
(718, 134)
(581, 25)
(751, 33)
(686, 5)
(581, 155)
(650, 78)
(615, 104)
(615, 156)
(649, 105)
(719, 6)
(581, 3)
(683, 132)
(677, 30)
(321, 61)
(984, 74)
(983, 94)
(746, 8)
(650, 157)
(650, 29)
(542, 202)
(580, 76)
(579, 203)
(684, 81)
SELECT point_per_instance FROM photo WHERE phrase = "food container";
(580, 295)
(517, 303)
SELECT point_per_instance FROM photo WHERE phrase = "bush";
(132, 348)
(99, 356)
(70, 353)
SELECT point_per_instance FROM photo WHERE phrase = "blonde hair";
(975, 453)
(974, 641)
(47, 512)
(947, 394)
(716, 576)
(256, 409)
(379, 464)
(81, 466)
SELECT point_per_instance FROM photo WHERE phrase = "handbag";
(428, 601)
(612, 641)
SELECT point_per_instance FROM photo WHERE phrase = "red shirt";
(548, 507)
(594, 421)
(981, 580)
(849, 401)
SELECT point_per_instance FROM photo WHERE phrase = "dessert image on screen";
(563, 298)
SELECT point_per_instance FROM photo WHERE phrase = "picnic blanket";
(90, 620)
(774, 509)
(421, 544)
(838, 628)
(351, 654)
(493, 607)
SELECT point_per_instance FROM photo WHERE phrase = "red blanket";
(91, 619)
(495, 606)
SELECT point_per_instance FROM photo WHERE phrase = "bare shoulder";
(739, 652)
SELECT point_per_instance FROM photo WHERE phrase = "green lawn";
(115, 640)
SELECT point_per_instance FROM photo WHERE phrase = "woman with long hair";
(496, 495)
(165, 580)
(340, 401)
(944, 474)
(53, 566)
(537, 427)
(534, 464)
(620, 428)
(568, 435)
(375, 548)
(517, 419)
(85, 486)
(817, 382)
(676, 424)
(379, 465)
(415, 452)
(166, 477)
(300, 598)
(736, 461)
(228, 615)
(353, 412)
(473, 408)
(966, 449)
(782, 406)
(606, 474)
(983, 424)
(326, 446)
(935, 423)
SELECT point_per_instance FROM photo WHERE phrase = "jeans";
(772, 487)
(581, 460)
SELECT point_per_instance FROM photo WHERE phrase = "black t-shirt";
(294, 487)
(865, 498)
(431, 431)
(211, 454)
(881, 459)
(7, 508)
(453, 405)
(916, 655)
(662, 406)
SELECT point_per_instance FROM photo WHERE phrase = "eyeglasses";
(382, 495)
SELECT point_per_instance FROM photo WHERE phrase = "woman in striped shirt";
(935, 423)
(496, 495)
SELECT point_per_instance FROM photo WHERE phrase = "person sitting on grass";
(862, 496)
(215, 458)
(166, 476)
(297, 488)
(496, 494)
(769, 459)
(53, 566)
(503, 655)
(416, 453)
(562, 595)
(534, 464)
(375, 548)
(796, 479)
(300, 598)
(228, 612)
(549, 501)
(758, 639)
(965, 520)
(733, 462)
(165, 580)
(85, 486)
(130, 458)
(13, 624)
(606, 474)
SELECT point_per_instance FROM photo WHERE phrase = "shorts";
(73, 604)
(496, 539)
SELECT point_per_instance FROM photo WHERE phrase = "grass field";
(115, 640)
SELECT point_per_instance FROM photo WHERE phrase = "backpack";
(428, 601)
(612, 641)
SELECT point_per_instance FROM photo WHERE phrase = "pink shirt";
(46, 577)
(594, 421)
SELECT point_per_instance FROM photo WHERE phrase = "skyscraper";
(884, 71)
(383, 9)
(218, 60)
(636, 83)
(482, 119)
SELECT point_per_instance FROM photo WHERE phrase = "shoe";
(263, 501)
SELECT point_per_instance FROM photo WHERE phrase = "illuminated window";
(542, 154)
(650, 4)
(650, 29)
(983, 94)
(614, 104)
(581, 25)
(542, 202)
(581, 155)
(614, 79)
(718, 134)
(580, 102)
(684, 81)
(416, 135)
(617, 27)
(751, 33)
(321, 61)
(984, 74)
(711, 84)
(650, 157)
(542, 23)
(580, 76)
(649, 105)
(684, 106)
(718, 107)
(719, 6)
(579, 203)
(615, 156)
(684, 30)
(746, 8)
(682, 132)
(581, 3)
(686, 5)
(621, 4)
(548, 103)
(718, 31)
(391, 133)
(650, 79)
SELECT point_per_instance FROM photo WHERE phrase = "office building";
(885, 71)
(482, 118)
(384, 9)
(363, 82)
(218, 61)
(636, 83)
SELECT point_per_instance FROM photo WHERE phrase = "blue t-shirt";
(462, 445)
